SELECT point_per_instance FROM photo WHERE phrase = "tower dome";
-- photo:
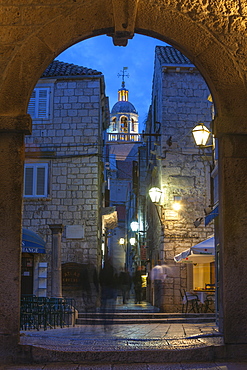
(124, 116)
(123, 107)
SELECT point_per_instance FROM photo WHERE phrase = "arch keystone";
(124, 13)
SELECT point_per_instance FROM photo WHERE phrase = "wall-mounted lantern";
(155, 195)
(121, 241)
(176, 205)
(134, 226)
(132, 241)
(201, 134)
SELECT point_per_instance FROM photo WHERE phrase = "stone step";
(202, 353)
(95, 318)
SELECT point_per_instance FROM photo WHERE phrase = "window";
(36, 180)
(124, 124)
(38, 106)
(114, 124)
(132, 125)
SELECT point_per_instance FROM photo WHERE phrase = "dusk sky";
(99, 53)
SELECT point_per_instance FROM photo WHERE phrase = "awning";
(110, 219)
(214, 213)
(203, 252)
(31, 242)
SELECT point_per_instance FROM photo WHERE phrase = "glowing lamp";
(134, 225)
(155, 194)
(132, 241)
(201, 134)
(121, 241)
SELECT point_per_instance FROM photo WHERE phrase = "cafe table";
(203, 293)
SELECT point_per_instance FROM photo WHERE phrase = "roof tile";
(170, 55)
(57, 68)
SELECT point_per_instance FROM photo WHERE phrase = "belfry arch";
(214, 39)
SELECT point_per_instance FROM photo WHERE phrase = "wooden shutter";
(31, 105)
(28, 187)
(38, 106)
(41, 181)
(43, 103)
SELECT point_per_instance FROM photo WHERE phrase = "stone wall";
(70, 141)
(181, 97)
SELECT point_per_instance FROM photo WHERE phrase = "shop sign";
(171, 215)
(143, 253)
(32, 250)
(72, 275)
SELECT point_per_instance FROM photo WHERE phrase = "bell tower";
(124, 117)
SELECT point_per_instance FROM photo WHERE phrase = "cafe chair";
(209, 303)
(191, 302)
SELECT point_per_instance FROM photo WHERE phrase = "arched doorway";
(217, 49)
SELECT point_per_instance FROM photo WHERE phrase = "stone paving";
(126, 338)
(140, 366)
(126, 347)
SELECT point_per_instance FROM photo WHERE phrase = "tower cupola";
(124, 117)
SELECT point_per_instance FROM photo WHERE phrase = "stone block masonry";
(181, 101)
(69, 142)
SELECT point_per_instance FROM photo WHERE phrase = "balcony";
(130, 137)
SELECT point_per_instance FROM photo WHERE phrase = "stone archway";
(212, 36)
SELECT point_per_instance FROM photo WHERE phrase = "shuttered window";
(39, 103)
(36, 180)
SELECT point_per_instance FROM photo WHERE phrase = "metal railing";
(42, 312)
(123, 137)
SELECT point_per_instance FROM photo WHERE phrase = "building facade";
(180, 170)
(63, 178)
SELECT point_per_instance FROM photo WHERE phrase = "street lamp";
(176, 206)
(121, 241)
(132, 241)
(134, 226)
(155, 195)
(201, 134)
(177, 203)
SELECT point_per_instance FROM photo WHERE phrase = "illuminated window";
(132, 125)
(114, 124)
(124, 124)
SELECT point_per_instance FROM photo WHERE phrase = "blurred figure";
(137, 280)
(107, 280)
(90, 287)
(124, 284)
(158, 275)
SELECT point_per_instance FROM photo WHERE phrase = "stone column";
(233, 237)
(56, 268)
(12, 154)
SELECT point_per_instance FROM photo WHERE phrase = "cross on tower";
(123, 74)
